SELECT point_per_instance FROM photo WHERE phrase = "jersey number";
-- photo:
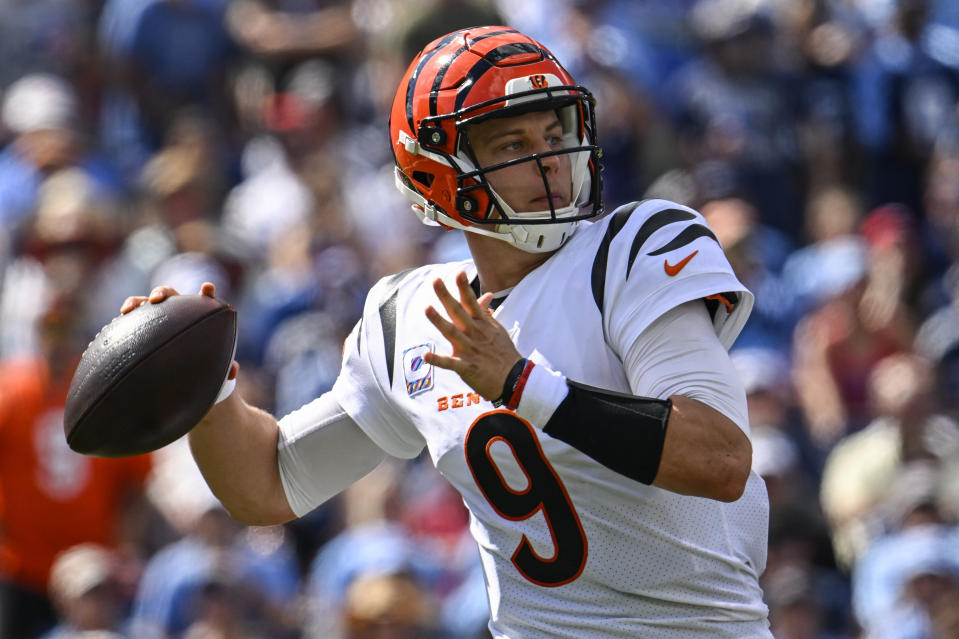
(544, 492)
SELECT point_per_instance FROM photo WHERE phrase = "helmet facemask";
(534, 231)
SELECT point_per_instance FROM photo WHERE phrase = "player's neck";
(501, 265)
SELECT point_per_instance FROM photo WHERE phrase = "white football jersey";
(571, 548)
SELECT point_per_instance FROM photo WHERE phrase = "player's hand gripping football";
(160, 293)
(483, 352)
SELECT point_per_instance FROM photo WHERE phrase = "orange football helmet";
(469, 76)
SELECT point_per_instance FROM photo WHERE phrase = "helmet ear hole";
(424, 178)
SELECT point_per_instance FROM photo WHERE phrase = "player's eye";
(511, 146)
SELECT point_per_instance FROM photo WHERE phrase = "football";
(149, 376)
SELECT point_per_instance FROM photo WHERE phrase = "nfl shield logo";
(419, 374)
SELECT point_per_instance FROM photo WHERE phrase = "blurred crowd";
(244, 142)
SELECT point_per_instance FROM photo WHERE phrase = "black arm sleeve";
(622, 432)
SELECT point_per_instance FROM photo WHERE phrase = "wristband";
(229, 385)
(544, 391)
(520, 386)
(509, 386)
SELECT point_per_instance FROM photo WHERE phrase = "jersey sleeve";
(679, 354)
(660, 255)
(362, 388)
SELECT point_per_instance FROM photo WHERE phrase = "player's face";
(521, 185)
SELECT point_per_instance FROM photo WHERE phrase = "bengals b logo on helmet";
(471, 75)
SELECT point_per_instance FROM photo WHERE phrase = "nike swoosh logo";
(673, 269)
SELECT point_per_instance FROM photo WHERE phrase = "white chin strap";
(537, 238)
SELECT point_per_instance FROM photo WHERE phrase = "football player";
(571, 380)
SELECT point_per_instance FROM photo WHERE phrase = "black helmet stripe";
(411, 85)
(513, 48)
(486, 63)
(441, 74)
(491, 34)
(438, 80)
(474, 74)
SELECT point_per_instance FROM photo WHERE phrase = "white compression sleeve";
(679, 354)
(321, 451)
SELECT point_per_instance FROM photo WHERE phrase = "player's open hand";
(483, 352)
(160, 293)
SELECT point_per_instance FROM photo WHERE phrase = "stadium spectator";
(736, 112)
(865, 467)
(161, 57)
(906, 584)
(42, 114)
(85, 593)
(216, 575)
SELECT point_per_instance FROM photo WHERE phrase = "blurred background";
(244, 142)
